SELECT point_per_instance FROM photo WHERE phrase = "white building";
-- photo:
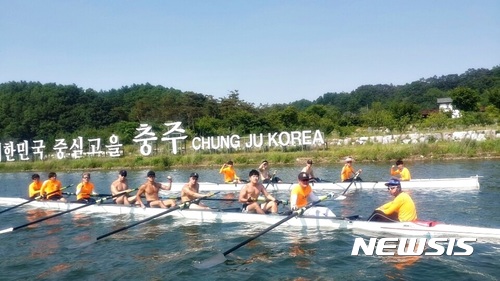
(446, 106)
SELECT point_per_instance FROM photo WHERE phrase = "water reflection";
(163, 248)
(300, 253)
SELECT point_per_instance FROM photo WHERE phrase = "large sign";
(10, 150)
(147, 138)
(281, 139)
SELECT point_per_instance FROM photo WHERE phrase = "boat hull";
(403, 229)
(453, 184)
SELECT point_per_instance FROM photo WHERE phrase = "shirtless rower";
(190, 191)
(121, 185)
(249, 195)
(309, 171)
(150, 189)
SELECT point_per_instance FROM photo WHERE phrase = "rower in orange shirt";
(85, 189)
(402, 208)
(400, 171)
(348, 172)
(302, 193)
(34, 187)
(229, 173)
(51, 188)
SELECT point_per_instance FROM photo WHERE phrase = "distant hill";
(31, 110)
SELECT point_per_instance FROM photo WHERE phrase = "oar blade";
(7, 230)
(340, 198)
(210, 262)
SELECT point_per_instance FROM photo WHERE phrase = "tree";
(494, 97)
(465, 99)
(377, 117)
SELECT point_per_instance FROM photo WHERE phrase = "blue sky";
(270, 51)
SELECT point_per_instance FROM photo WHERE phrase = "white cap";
(169, 177)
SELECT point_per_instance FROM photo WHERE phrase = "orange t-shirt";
(229, 174)
(52, 187)
(302, 195)
(34, 188)
(347, 172)
(86, 189)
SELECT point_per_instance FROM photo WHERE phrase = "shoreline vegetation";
(62, 111)
(370, 152)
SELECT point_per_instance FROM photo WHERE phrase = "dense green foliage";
(31, 110)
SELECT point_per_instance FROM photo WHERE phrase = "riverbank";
(467, 149)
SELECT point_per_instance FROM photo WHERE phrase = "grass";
(467, 149)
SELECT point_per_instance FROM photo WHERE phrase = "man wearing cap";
(399, 170)
(249, 195)
(309, 171)
(401, 208)
(121, 185)
(302, 192)
(190, 191)
(151, 188)
(347, 173)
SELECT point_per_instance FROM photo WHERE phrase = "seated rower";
(120, 185)
(302, 193)
(265, 176)
(401, 209)
(399, 170)
(249, 195)
(85, 190)
(229, 173)
(151, 188)
(190, 191)
(348, 172)
(309, 171)
(34, 187)
(51, 189)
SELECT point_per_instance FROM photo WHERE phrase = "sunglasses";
(86, 177)
(391, 187)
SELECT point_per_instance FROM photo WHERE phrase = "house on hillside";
(445, 105)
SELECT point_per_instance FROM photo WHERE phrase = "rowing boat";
(316, 218)
(452, 184)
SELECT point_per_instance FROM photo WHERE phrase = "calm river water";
(165, 248)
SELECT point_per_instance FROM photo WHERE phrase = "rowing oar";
(92, 195)
(260, 199)
(221, 257)
(270, 180)
(67, 211)
(33, 199)
(177, 207)
(353, 180)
